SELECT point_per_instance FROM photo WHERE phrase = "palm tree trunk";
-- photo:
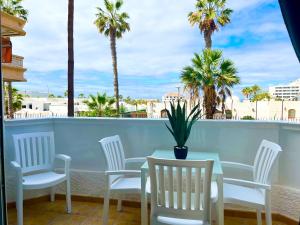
(191, 101)
(209, 101)
(223, 104)
(115, 67)
(207, 39)
(10, 110)
(70, 59)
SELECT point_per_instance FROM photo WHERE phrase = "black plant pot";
(180, 152)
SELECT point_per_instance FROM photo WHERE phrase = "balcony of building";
(78, 137)
(14, 71)
(11, 25)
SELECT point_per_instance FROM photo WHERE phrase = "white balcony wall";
(233, 140)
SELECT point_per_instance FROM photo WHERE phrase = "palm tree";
(255, 89)
(101, 105)
(70, 91)
(81, 95)
(10, 110)
(13, 100)
(133, 102)
(209, 15)
(251, 92)
(247, 91)
(14, 7)
(212, 72)
(261, 96)
(191, 84)
(112, 23)
(226, 80)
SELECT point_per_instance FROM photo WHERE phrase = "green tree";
(255, 89)
(209, 15)
(191, 84)
(101, 105)
(225, 81)
(142, 101)
(51, 95)
(128, 100)
(213, 73)
(13, 100)
(247, 91)
(131, 101)
(113, 23)
(14, 7)
(261, 96)
(255, 93)
(81, 95)
(135, 102)
(122, 109)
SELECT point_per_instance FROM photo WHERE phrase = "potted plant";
(181, 125)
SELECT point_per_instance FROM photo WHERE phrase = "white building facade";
(286, 92)
(47, 107)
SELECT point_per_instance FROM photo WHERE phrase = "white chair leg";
(19, 204)
(68, 195)
(258, 215)
(52, 194)
(105, 208)
(119, 207)
(268, 208)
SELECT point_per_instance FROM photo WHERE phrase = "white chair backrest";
(34, 151)
(180, 188)
(265, 160)
(114, 153)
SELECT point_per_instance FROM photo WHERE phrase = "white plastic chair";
(34, 164)
(257, 193)
(117, 178)
(175, 198)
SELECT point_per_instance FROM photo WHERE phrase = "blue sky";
(161, 42)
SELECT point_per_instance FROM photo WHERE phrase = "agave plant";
(181, 123)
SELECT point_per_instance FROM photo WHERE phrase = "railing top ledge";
(144, 120)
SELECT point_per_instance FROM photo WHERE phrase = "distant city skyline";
(161, 42)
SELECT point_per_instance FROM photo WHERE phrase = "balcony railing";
(233, 140)
(14, 71)
(17, 61)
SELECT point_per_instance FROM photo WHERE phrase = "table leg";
(220, 203)
(144, 206)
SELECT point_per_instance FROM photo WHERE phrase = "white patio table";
(167, 154)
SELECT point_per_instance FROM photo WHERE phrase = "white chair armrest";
(123, 172)
(136, 160)
(63, 157)
(67, 160)
(246, 183)
(16, 165)
(237, 165)
(18, 169)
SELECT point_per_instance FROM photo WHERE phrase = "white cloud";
(160, 42)
(156, 43)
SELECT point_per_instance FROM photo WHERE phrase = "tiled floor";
(90, 213)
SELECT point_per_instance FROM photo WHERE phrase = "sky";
(151, 56)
